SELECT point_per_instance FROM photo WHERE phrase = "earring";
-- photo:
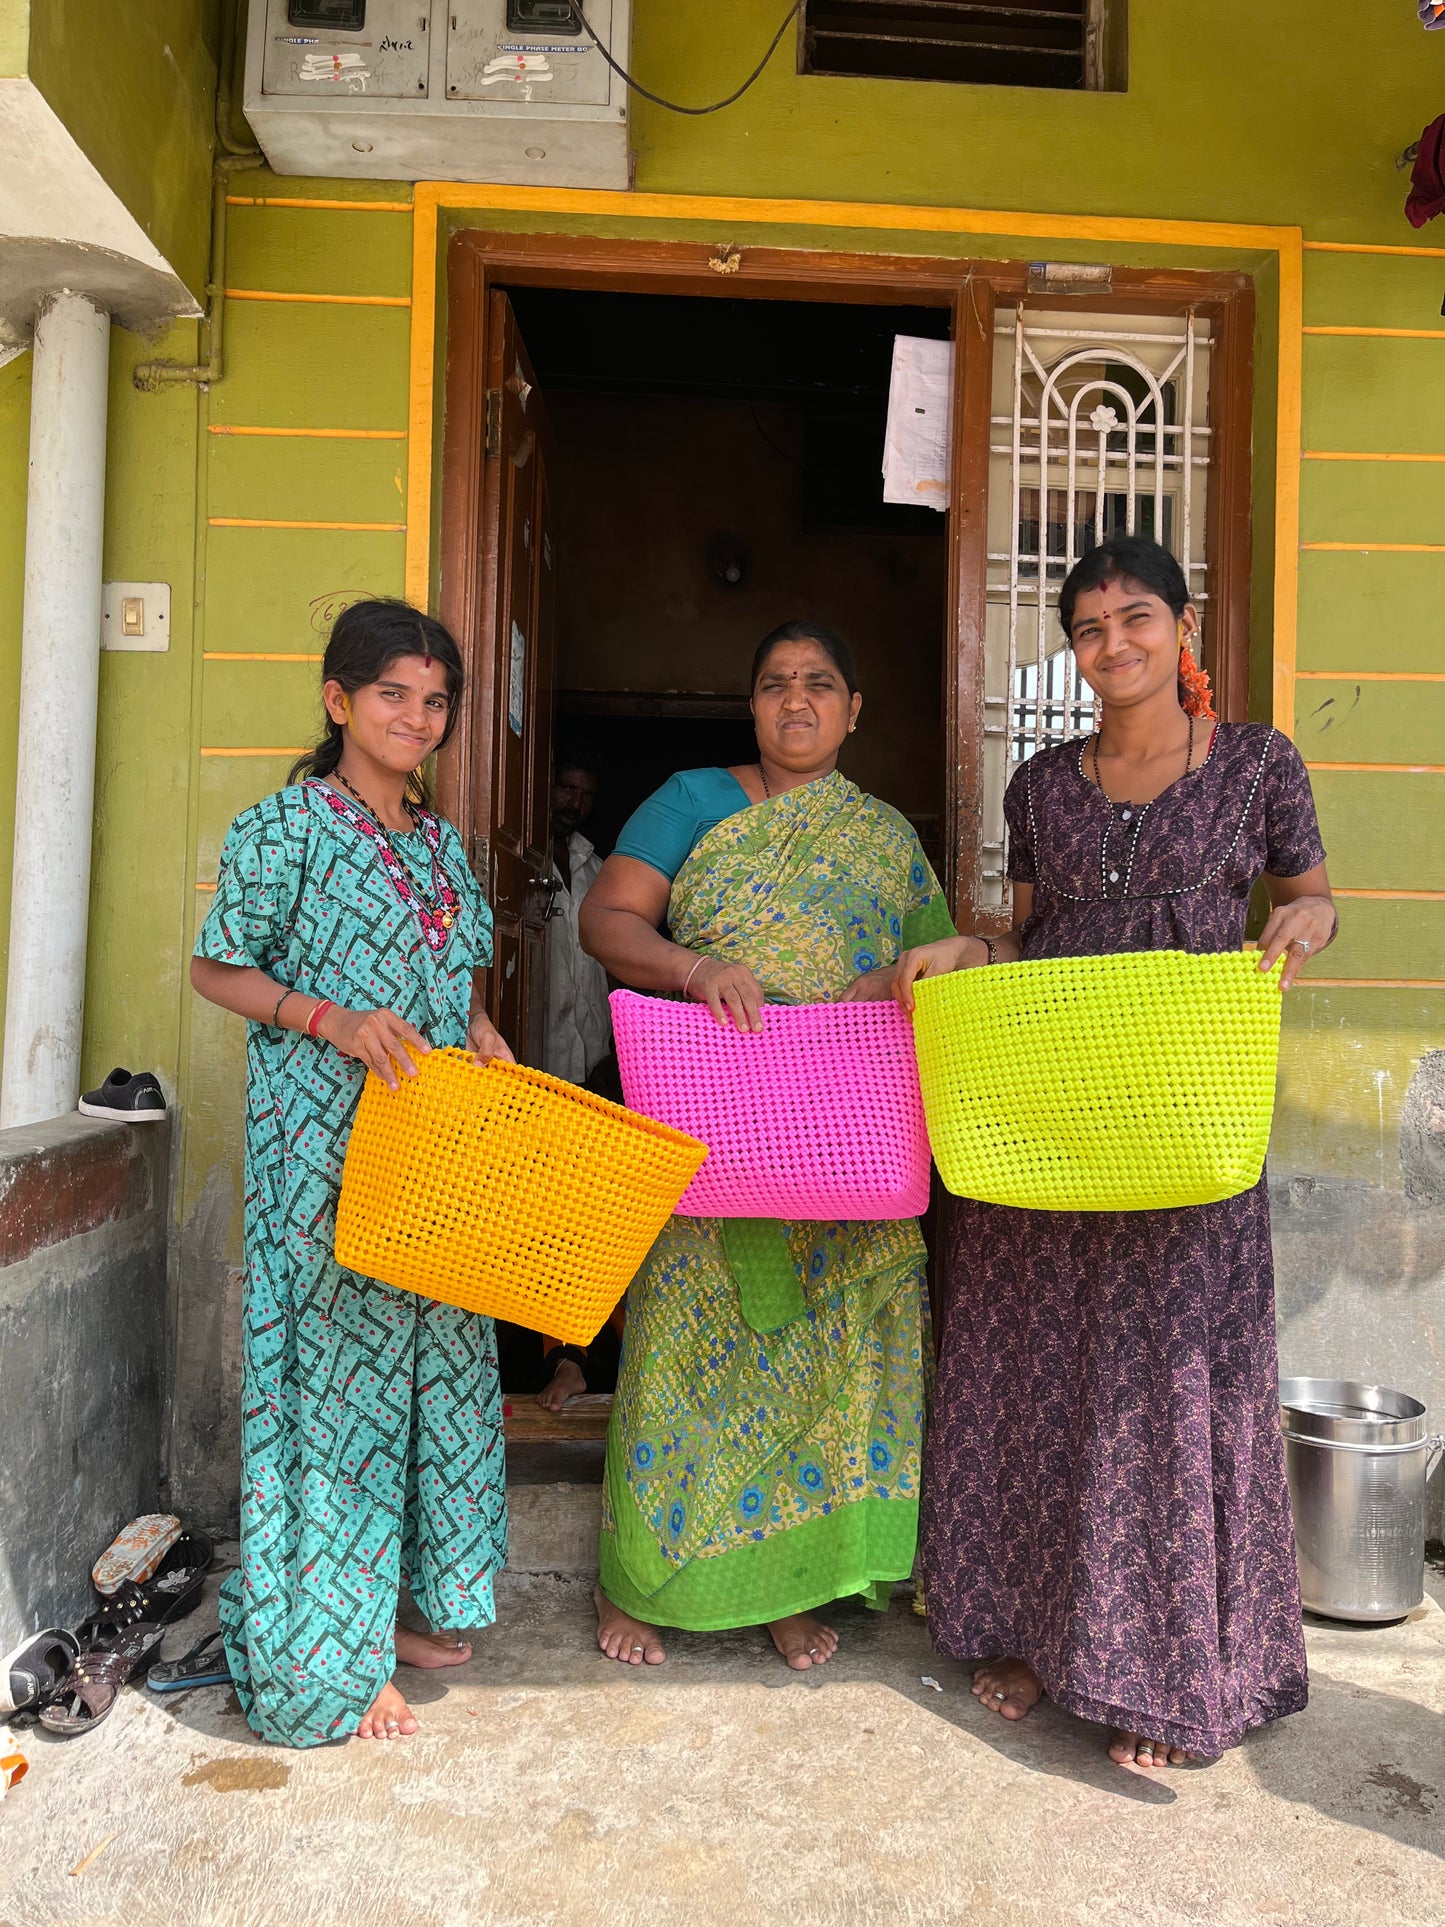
(851, 728)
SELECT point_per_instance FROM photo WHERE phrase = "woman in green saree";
(763, 1457)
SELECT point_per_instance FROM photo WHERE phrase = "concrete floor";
(549, 1785)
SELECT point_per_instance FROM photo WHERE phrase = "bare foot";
(567, 1382)
(387, 1718)
(1007, 1686)
(1132, 1749)
(803, 1641)
(431, 1649)
(622, 1637)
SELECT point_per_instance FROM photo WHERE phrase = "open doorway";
(713, 468)
(716, 470)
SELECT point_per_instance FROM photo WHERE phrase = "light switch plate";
(135, 615)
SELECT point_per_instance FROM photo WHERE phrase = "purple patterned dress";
(1104, 1491)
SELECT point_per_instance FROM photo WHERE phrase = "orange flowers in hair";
(1195, 695)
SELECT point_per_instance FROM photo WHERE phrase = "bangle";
(318, 1012)
(992, 948)
(275, 1014)
(692, 973)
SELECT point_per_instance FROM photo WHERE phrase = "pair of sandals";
(71, 1681)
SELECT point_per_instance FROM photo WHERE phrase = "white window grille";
(1099, 427)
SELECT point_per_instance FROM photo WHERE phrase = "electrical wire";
(672, 106)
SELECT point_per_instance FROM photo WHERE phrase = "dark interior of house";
(718, 472)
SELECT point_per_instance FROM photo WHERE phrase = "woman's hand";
(896, 980)
(731, 992)
(380, 1039)
(485, 1041)
(1296, 931)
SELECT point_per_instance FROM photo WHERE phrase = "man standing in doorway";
(579, 1024)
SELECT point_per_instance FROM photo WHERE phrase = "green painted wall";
(1235, 112)
(135, 85)
(14, 36)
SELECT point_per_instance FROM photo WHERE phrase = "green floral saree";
(753, 1474)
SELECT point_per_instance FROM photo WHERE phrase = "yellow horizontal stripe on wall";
(1374, 983)
(1367, 675)
(211, 750)
(271, 522)
(1397, 896)
(1349, 455)
(208, 888)
(324, 434)
(1388, 769)
(321, 300)
(1384, 334)
(329, 207)
(1379, 548)
(1370, 247)
(253, 655)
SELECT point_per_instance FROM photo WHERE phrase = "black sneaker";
(129, 1098)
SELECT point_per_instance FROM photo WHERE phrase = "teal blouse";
(665, 830)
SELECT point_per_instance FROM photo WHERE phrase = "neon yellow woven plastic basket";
(1130, 1083)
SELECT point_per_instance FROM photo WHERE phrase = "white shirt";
(579, 1023)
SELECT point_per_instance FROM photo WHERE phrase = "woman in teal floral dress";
(348, 930)
(763, 1457)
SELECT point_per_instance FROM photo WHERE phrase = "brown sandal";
(92, 1686)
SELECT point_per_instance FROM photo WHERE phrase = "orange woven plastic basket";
(507, 1192)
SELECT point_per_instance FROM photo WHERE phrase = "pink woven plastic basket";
(819, 1116)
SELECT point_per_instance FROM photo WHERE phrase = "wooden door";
(509, 774)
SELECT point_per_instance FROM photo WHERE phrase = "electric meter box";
(481, 90)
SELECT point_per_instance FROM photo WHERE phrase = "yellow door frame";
(434, 199)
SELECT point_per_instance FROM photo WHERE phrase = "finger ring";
(1300, 943)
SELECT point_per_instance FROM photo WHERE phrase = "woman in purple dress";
(1105, 1517)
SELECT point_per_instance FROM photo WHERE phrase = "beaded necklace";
(436, 913)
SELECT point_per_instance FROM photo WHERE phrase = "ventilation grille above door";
(1026, 43)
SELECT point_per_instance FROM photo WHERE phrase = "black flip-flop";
(199, 1667)
(173, 1591)
(32, 1672)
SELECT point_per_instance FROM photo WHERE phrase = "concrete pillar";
(59, 679)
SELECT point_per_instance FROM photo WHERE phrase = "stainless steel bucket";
(1356, 1457)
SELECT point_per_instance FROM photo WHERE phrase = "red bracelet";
(318, 1012)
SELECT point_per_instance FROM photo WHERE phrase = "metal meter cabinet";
(445, 93)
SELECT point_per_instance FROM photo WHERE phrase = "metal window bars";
(1099, 427)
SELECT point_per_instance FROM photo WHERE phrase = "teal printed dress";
(371, 1419)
